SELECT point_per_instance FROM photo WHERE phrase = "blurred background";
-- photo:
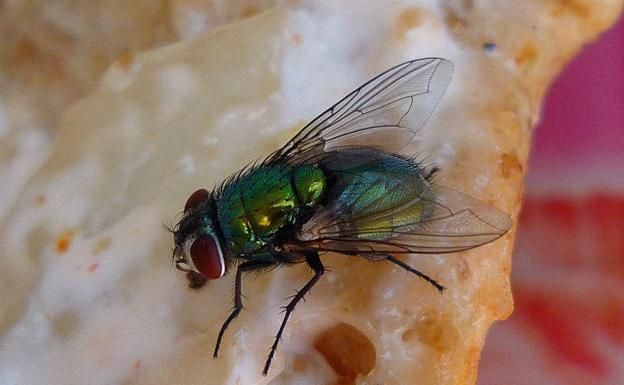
(568, 265)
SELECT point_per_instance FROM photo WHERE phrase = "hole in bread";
(434, 330)
(347, 350)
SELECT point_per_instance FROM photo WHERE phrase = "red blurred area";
(568, 268)
(579, 146)
(568, 281)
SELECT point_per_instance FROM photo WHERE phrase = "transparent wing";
(451, 221)
(385, 113)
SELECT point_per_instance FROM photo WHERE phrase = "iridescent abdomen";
(255, 207)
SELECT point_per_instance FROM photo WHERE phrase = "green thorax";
(253, 208)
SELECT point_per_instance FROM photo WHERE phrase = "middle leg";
(315, 263)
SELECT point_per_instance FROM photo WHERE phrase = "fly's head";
(197, 247)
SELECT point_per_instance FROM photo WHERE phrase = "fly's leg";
(238, 296)
(418, 273)
(315, 263)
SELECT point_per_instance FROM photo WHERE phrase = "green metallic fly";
(338, 186)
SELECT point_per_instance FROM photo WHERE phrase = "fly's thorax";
(309, 183)
(255, 207)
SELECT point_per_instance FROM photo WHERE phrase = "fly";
(340, 186)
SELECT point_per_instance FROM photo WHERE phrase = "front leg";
(315, 263)
(238, 301)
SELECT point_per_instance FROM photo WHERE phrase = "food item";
(337, 187)
(92, 298)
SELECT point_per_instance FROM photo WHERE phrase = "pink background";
(582, 131)
(568, 267)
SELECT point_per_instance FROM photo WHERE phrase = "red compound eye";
(196, 198)
(207, 257)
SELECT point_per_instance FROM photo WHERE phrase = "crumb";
(101, 246)
(40, 200)
(64, 241)
(93, 267)
(527, 54)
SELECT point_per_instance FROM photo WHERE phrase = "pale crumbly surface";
(89, 295)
